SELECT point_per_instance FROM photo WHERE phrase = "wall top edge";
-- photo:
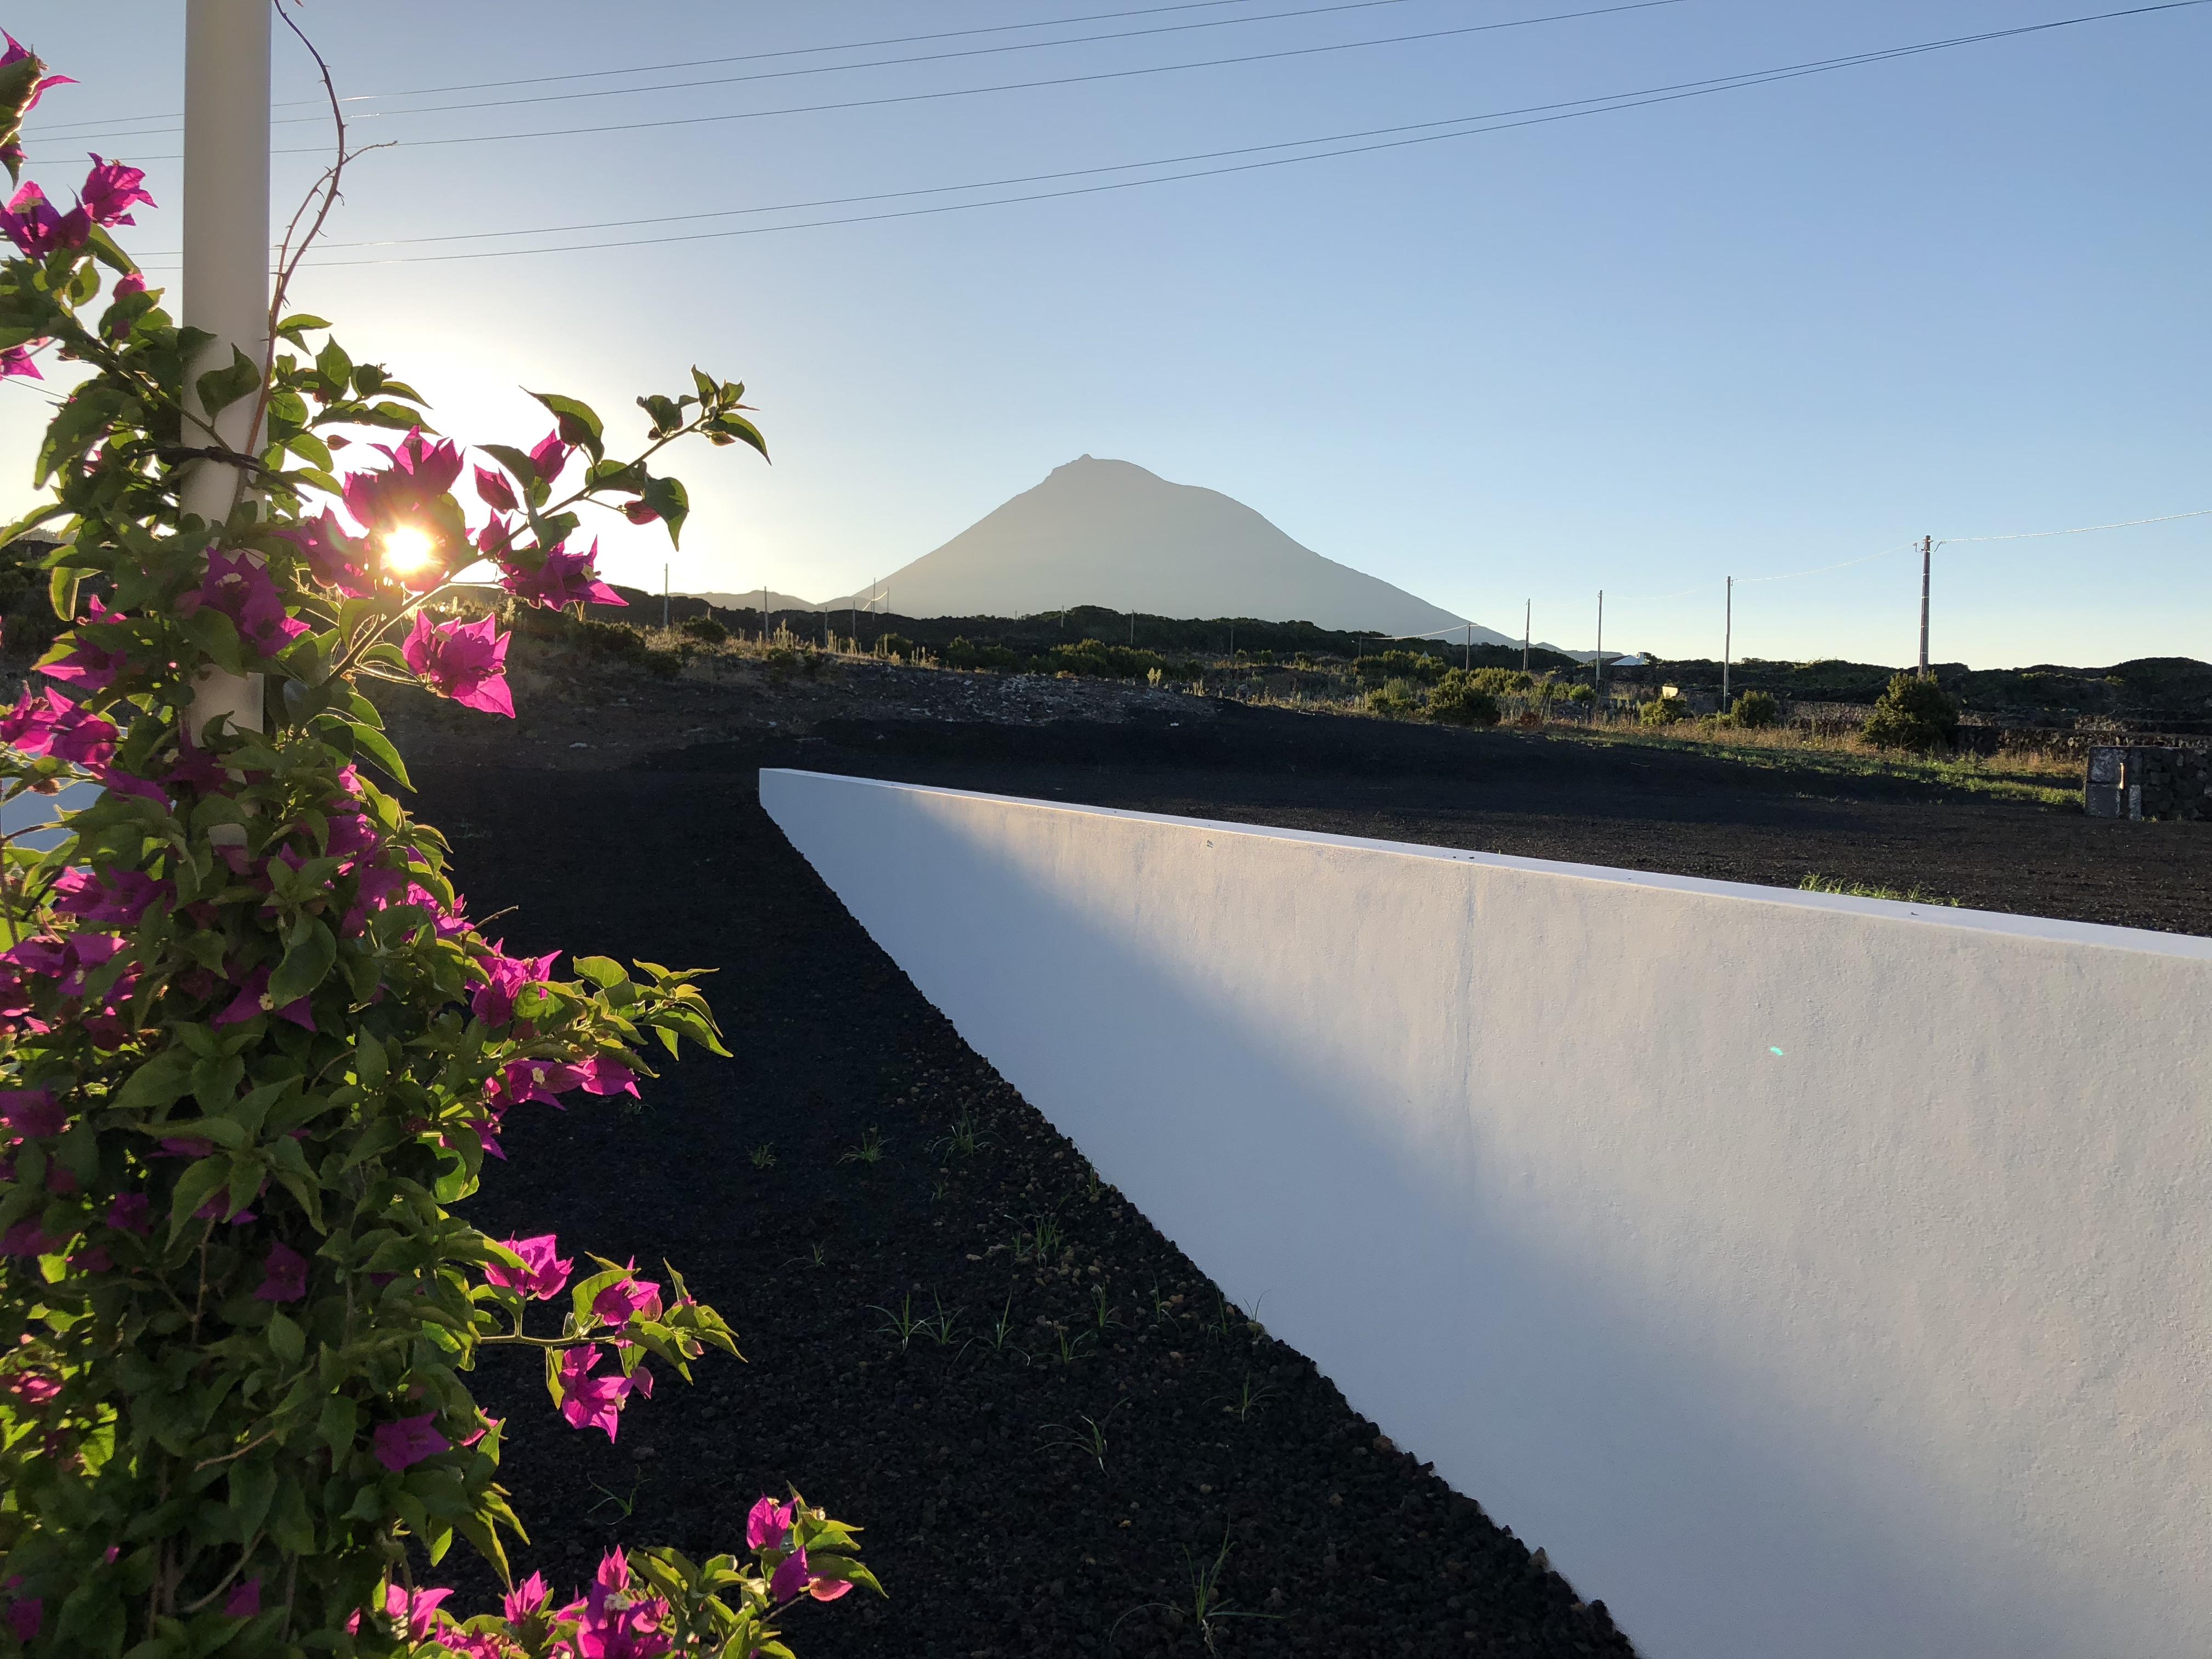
(2143, 941)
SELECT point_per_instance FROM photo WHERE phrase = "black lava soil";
(996, 1532)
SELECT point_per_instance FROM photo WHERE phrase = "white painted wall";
(1812, 1276)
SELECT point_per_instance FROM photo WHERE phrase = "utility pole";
(1927, 557)
(1727, 641)
(1467, 660)
(1527, 607)
(1597, 662)
(226, 269)
(663, 595)
(764, 629)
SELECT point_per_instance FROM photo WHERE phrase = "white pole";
(226, 277)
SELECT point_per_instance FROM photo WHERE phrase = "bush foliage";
(252, 1051)
(1914, 715)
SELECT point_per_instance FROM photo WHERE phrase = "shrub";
(703, 628)
(1503, 682)
(1392, 699)
(252, 1051)
(1417, 666)
(1915, 715)
(1580, 691)
(1756, 710)
(896, 646)
(624, 644)
(1463, 699)
(1661, 711)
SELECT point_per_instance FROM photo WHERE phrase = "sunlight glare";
(407, 549)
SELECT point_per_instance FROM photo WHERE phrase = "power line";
(1028, 86)
(1534, 116)
(2083, 530)
(697, 63)
(841, 68)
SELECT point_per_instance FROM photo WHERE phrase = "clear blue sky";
(1961, 293)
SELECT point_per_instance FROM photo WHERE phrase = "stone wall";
(2133, 783)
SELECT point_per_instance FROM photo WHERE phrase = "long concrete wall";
(1811, 1276)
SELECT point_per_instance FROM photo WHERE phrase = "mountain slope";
(1110, 533)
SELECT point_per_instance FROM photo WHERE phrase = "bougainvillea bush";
(252, 1051)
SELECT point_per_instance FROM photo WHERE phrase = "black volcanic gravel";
(993, 1536)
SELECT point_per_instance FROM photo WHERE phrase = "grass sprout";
(763, 1155)
(622, 1505)
(1038, 1242)
(1107, 1318)
(1089, 1439)
(964, 1136)
(1247, 1400)
(902, 1324)
(1208, 1608)
(869, 1150)
(941, 1326)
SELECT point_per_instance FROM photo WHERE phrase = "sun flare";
(407, 549)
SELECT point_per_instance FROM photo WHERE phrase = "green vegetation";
(1462, 699)
(1755, 710)
(705, 629)
(1913, 714)
(1816, 883)
(1662, 711)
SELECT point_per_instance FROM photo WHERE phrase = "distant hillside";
(1109, 533)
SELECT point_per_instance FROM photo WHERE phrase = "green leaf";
(514, 460)
(200, 1183)
(666, 497)
(378, 747)
(735, 429)
(339, 1422)
(577, 423)
(306, 965)
(219, 388)
(602, 971)
(286, 1340)
(299, 324)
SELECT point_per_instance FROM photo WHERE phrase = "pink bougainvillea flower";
(16, 52)
(33, 1389)
(551, 457)
(421, 472)
(30, 221)
(626, 1299)
(27, 1238)
(254, 999)
(465, 661)
(33, 1113)
(527, 1600)
(790, 1578)
(47, 723)
(111, 190)
(563, 578)
(594, 1402)
(117, 898)
(639, 512)
(337, 561)
(505, 976)
(239, 587)
(494, 491)
(413, 1616)
(604, 1076)
(524, 1080)
(131, 1213)
(406, 1443)
(25, 1615)
(244, 1601)
(287, 1280)
(768, 1524)
(16, 363)
(543, 1275)
(88, 663)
